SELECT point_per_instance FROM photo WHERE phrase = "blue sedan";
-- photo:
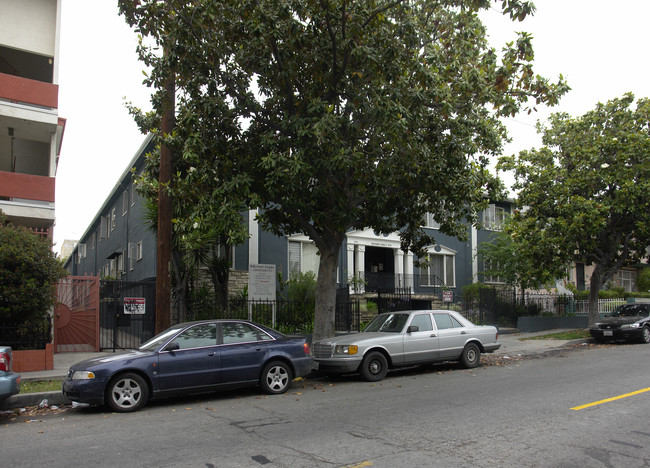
(191, 358)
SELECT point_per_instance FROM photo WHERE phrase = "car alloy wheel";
(127, 392)
(276, 378)
(645, 336)
(374, 366)
(471, 356)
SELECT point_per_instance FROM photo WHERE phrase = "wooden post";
(164, 240)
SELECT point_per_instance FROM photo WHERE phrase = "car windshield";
(388, 323)
(155, 342)
(631, 310)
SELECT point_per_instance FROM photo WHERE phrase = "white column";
(254, 238)
(408, 270)
(349, 272)
(359, 266)
(474, 246)
(398, 260)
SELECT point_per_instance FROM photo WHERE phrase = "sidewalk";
(510, 339)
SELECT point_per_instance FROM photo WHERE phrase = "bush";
(643, 281)
(28, 275)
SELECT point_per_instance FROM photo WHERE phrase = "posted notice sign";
(447, 296)
(134, 305)
(261, 282)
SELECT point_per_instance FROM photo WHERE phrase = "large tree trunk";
(595, 283)
(324, 313)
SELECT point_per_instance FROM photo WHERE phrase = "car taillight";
(5, 362)
(306, 346)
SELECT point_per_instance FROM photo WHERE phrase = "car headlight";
(83, 375)
(631, 325)
(346, 350)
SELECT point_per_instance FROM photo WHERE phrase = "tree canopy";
(335, 115)
(585, 195)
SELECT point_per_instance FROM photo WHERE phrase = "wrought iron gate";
(127, 313)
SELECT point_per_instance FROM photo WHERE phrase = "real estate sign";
(261, 282)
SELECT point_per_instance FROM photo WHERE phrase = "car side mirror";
(173, 346)
(412, 328)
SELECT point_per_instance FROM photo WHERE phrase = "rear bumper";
(491, 347)
(9, 384)
(303, 366)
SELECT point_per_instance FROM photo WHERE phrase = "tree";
(337, 115)
(585, 195)
(28, 274)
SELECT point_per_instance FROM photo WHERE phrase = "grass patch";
(37, 386)
(567, 335)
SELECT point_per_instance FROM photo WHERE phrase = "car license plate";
(608, 333)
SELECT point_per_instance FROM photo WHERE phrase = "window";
(303, 257)
(125, 202)
(104, 231)
(237, 332)
(423, 322)
(493, 217)
(626, 279)
(439, 272)
(81, 248)
(119, 261)
(430, 222)
(198, 336)
(112, 220)
(445, 321)
(492, 278)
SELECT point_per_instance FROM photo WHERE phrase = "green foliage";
(586, 193)
(643, 280)
(28, 273)
(470, 292)
(331, 116)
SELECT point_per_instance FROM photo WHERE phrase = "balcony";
(31, 92)
(26, 187)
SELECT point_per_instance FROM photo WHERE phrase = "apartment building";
(31, 130)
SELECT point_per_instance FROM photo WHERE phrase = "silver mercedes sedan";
(400, 339)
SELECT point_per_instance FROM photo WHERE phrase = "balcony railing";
(26, 186)
(26, 91)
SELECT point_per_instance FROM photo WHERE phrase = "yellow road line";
(611, 399)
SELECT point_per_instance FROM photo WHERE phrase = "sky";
(599, 46)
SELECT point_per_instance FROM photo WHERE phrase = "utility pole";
(164, 238)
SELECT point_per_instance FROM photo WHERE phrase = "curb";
(23, 400)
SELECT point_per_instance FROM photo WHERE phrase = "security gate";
(127, 313)
(76, 315)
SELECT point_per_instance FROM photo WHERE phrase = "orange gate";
(76, 315)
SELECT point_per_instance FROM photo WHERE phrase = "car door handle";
(211, 354)
(433, 335)
(463, 333)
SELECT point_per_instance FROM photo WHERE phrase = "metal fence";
(19, 337)
(127, 312)
(283, 315)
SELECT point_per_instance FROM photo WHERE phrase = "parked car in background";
(9, 380)
(401, 339)
(629, 322)
(191, 358)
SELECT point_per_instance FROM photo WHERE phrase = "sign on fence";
(261, 282)
(261, 287)
(134, 305)
(447, 296)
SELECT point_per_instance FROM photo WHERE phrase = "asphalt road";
(513, 412)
